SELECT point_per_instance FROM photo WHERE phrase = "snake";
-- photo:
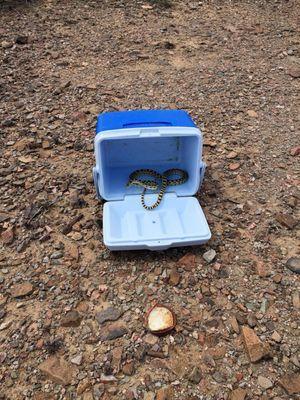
(137, 178)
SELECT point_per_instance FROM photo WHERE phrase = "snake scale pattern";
(152, 180)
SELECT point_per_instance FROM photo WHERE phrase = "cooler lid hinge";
(96, 182)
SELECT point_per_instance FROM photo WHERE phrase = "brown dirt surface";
(235, 67)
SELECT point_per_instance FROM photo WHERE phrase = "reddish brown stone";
(79, 116)
(262, 269)
(201, 338)
(291, 383)
(254, 346)
(71, 319)
(165, 393)
(239, 376)
(286, 220)
(175, 277)
(22, 289)
(234, 166)
(128, 368)
(252, 113)
(58, 370)
(277, 278)
(188, 261)
(83, 386)
(294, 71)
(7, 236)
(238, 394)
(234, 324)
(39, 344)
(231, 155)
(295, 151)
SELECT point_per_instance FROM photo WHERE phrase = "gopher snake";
(153, 184)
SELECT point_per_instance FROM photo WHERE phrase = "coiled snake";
(156, 180)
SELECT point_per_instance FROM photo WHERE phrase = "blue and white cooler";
(159, 140)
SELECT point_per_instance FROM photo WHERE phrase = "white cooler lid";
(177, 221)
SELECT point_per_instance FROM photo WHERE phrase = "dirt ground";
(235, 67)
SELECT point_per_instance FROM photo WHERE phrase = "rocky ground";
(72, 313)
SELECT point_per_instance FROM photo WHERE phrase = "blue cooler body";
(155, 139)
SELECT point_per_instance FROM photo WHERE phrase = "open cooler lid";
(177, 221)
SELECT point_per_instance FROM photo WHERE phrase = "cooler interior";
(121, 156)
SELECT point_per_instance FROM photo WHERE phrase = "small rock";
(188, 261)
(113, 331)
(21, 290)
(150, 339)
(21, 39)
(255, 348)
(6, 45)
(56, 255)
(209, 360)
(234, 324)
(262, 269)
(234, 166)
(276, 337)
(71, 319)
(46, 144)
(26, 160)
(195, 376)
(175, 277)
(148, 396)
(72, 250)
(109, 314)
(58, 370)
(218, 377)
(77, 360)
(295, 360)
(79, 116)
(76, 236)
(277, 278)
(231, 155)
(292, 201)
(251, 320)
(5, 325)
(209, 255)
(296, 300)
(264, 382)
(83, 385)
(108, 378)
(40, 344)
(286, 220)
(116, 358)
(252, 113)
(165, 393)
(128, 368)
(264, 306)
(291, 383)
(293, 264)
(2, 357)
(238, 394)
(294, 71)
(295, 151)
(8, 236)
(88, 396)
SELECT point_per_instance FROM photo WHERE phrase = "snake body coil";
(135, 179)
